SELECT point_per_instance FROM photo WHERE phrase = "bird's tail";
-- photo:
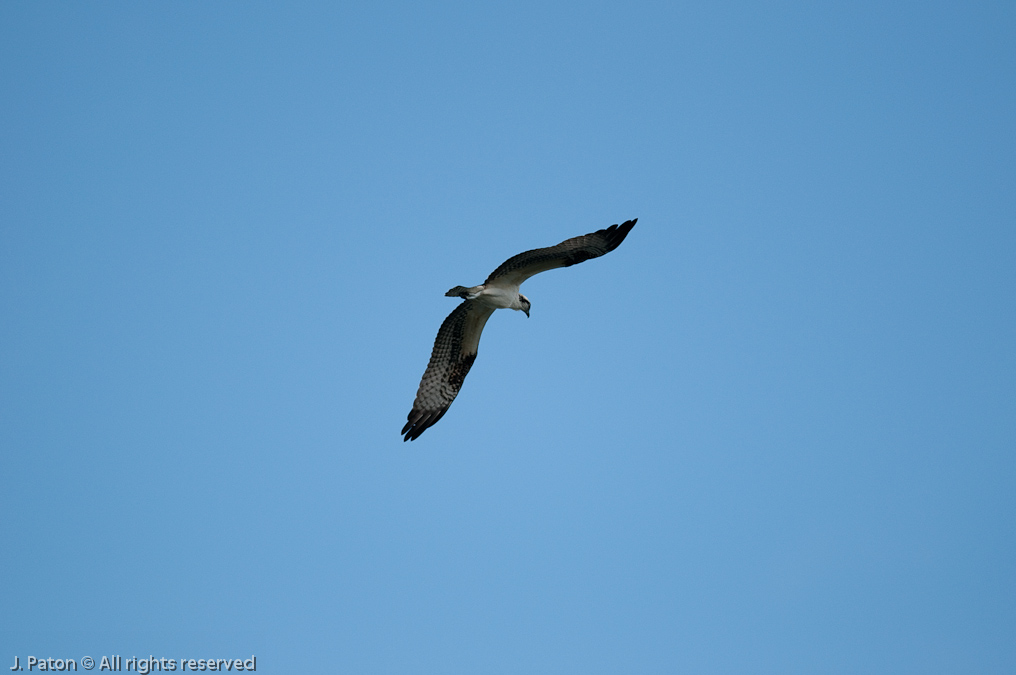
(463, 292)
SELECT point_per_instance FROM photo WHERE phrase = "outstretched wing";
(453, 356)
(572, 251)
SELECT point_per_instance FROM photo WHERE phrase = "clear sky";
(773, 432)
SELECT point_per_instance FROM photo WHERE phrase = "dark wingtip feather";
(617, 233)
(420, 421)
(412, 425)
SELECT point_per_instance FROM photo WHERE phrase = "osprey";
(459, 336)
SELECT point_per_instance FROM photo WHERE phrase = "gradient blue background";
(774, 432)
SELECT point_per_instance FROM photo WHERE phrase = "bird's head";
(525, 304)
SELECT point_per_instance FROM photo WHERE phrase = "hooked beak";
(527, 313)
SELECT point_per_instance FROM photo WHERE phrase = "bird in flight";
(459, 335)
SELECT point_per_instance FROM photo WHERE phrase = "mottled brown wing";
(572, 251)
(453, 356)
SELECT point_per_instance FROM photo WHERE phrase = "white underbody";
(497, 296)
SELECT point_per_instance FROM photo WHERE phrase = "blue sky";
(773, 432)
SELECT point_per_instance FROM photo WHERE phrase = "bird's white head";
(524, 304)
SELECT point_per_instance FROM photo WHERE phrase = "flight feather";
(453, 355)
(569, 252)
